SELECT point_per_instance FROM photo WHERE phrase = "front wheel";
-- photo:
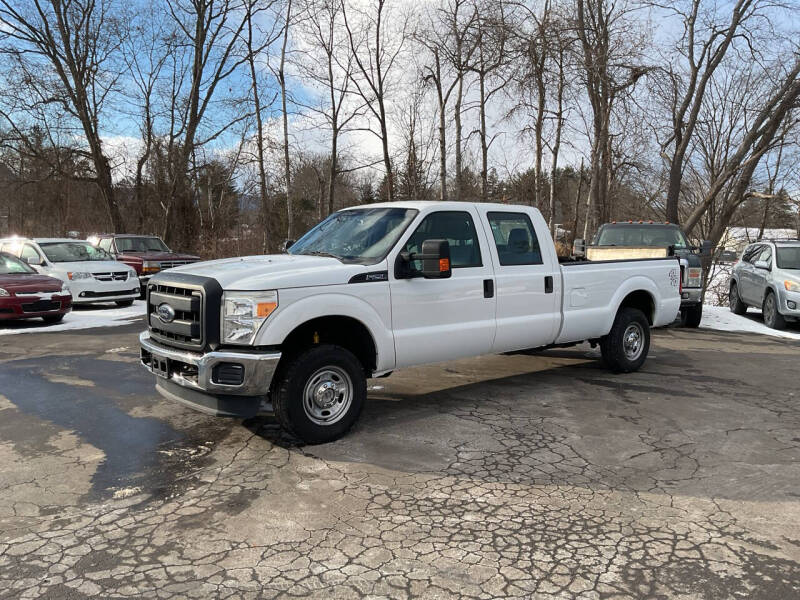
(772, 318)
(320, 393)
(124, 303)
(53, 319)
(692, 315)
(625, 347)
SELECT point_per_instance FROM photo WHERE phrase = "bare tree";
(703, 47)
(376, 49)
(64, 51)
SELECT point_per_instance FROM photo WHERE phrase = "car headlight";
(150, 266)
(65, 288)
(791, 286)
(4, 293)
(243, 313)
(694, 277)
(74, 276)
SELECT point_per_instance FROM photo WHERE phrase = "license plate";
(160, 366)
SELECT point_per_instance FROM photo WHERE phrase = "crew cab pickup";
(379, 287)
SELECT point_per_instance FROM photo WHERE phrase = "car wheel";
(735, 302)
(772, 318)
(625, 347)
(692, 315)
(124, 303)
(53, 319)
(320, 393)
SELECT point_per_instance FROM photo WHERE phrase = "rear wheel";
(124, 303)
(52, 319)
(692, 315)
(320, 393)
(626, 346)
(772, 318)
(735, 302)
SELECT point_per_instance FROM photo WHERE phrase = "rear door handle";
(488, 288)
(548, 284)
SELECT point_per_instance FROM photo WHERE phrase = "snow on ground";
(722, 319)
(82, 317)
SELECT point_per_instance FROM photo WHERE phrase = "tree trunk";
(286, 164)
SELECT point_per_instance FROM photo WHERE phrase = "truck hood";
(157, 256)
(275, 271)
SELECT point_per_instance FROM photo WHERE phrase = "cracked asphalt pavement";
(521, 477)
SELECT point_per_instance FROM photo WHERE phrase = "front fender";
(278, 327)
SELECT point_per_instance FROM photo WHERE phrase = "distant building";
(736, 238)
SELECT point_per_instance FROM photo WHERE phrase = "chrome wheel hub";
(327, 395)
(633, 341)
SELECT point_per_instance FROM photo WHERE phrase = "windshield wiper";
(320, 253)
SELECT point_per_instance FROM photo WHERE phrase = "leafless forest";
(228, 126)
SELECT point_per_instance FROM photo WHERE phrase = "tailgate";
(625, 252)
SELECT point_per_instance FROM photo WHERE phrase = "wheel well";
(641, 300)
(343, 331)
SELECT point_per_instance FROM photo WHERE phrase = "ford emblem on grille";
(166, 313)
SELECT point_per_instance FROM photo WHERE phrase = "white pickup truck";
(379, 287)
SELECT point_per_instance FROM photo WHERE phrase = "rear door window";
(515, 239)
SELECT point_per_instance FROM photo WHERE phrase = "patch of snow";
(81, 317)
(123, 493)
(722, 319)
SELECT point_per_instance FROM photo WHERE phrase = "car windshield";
(73, 252)
(11, 265)
(141, 244)
(788, 258)
(362, 235)
(641, 235)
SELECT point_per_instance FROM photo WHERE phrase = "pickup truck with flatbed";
(380, 287)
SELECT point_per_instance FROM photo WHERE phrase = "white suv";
(768, 277)
(91, 274)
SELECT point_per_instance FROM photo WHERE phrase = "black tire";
(296, 412)
(619, 356)
(692, 315)
(772, 318)
(53, 319)
(735, 302)
(124, 303)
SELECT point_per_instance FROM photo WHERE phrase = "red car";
(24, 294)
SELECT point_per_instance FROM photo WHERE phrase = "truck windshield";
(641, 235)
(361, 235)
(788, 258)
(141, 244)
(73, 252)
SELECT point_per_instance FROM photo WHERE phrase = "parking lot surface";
(521, 476)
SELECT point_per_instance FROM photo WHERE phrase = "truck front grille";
(180, 322)
(170, 264)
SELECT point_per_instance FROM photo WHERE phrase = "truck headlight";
(243, 313)
(149, 266)
(74, 276)
(694, 277)
(791, 286)
(4, 293)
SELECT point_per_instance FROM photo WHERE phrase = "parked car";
(147, 254)
(646, 239)
(768, 277)
(379, 287)
(24, 294)
(90, 273)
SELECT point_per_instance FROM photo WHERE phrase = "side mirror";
(762, 264)
(706, 247)
(579, 248)
(34, 262)
(435, 259)
(287, 244)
